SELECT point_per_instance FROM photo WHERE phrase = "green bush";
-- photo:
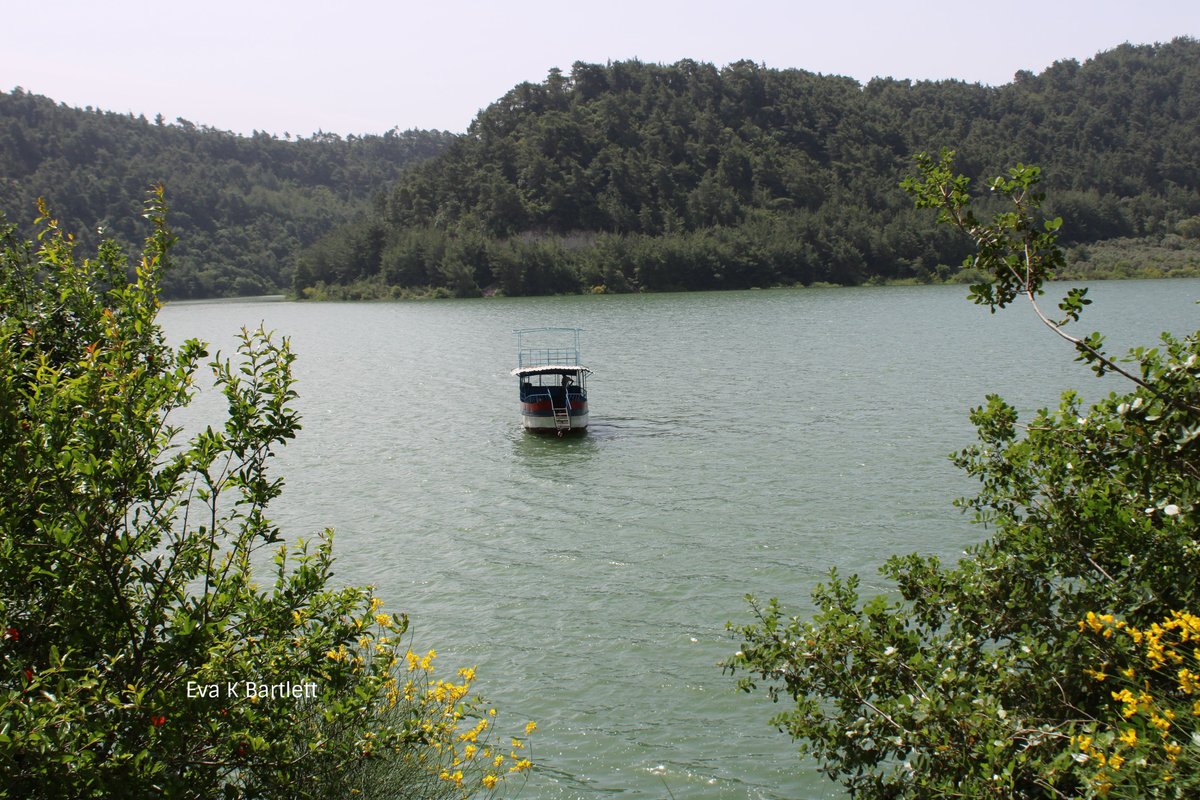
(979, 680)
(140, 656)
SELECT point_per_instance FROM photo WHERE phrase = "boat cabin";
(552, 383)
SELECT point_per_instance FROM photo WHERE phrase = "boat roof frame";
(548, 360)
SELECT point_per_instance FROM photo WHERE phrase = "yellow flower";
(530, 727)
(489, 781)
(1130, 702)
(383, 620)
(473, 734)
(1129, 737)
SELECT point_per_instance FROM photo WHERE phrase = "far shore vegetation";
(1170, 256)
(632, 177)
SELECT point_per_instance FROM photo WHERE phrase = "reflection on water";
(548, 450)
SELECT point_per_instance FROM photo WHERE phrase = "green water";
(740, 442)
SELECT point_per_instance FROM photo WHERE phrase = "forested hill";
(635, 176)
(244, 207)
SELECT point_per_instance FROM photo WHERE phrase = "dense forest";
(632, 176)
(244, 207)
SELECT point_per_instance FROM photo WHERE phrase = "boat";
(552, 382)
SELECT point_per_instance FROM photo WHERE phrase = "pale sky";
(369, 66)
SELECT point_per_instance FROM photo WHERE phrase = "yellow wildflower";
(1130, 706)
(1129, 737)
(473, 734)
(490, 781)
(530, 727)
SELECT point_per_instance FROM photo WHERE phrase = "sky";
(368, 66)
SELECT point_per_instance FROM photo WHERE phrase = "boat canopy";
(551, 369)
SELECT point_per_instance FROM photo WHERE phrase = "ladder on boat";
(562, 419)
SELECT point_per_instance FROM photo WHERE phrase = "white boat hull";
(547, 424)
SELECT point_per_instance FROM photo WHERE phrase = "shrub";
(975, 680)
(141, 657)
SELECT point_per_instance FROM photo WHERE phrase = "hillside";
(632, 176)
(244, 206)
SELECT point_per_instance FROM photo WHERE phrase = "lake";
(740, 442)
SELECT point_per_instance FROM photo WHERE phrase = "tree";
(140, 655)
(987, 678)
